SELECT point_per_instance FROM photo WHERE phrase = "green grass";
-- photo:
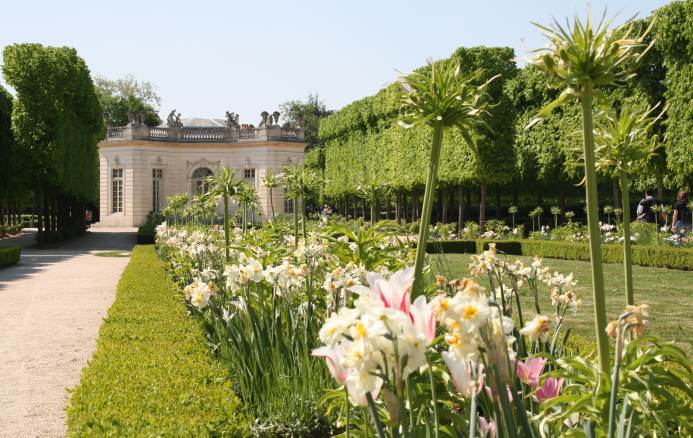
(668, 292)
(152, 373)
(112, 254)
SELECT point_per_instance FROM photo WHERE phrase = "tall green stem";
(627, 258)
(434, 397)
(226, 226)
(245, 218)
(271, 203)
(593, 226)
(303, 222)
(346, 400)
(426, 211)
(295, 222)
(374, 414)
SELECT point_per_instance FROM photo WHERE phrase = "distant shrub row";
(644, 255)
(152, 374)
(9, 256)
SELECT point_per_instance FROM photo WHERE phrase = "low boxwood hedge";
(451, 247)
(644, 255)
(152, 374)
(145, 236)
(472, 246)
(10, 255)
(513, 247)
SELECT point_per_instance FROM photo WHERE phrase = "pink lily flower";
(422, 316)
(550, 389)
(487, 428)
(461, 374)
(333, 358)
(393, 292)
(530, 370)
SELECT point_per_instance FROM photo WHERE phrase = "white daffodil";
(537, 328)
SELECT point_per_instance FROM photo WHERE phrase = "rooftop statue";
(173, 120)
(140, 118)
(276, 118)
(263, 122)
(232, 120)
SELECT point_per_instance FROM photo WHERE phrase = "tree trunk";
(39, 222)
(398, 207)
(46, 218)
(413, 205)
(515, 195)
(482, 207)
(561, 197)
(460, 209)
(445, 198)
(660, 186)
(616, 192)
(498, 202)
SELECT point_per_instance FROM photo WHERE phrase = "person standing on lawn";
(681, 222)
(644, 212)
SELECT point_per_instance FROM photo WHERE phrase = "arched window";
(200, 183)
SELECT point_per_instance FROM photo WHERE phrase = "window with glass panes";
(117, 190)
(157, 179)
(249, 177)
(288, 203)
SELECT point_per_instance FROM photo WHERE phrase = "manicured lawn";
(668, 292)
(152, 373)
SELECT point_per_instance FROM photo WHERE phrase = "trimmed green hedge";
(450, 247)
(503, 246)
(152, 374)
(472, 246)
(644, 255)
(145, 236)
(10, 255)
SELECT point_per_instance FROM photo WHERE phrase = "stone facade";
(139, 164)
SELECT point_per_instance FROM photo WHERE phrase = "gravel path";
(51, 306)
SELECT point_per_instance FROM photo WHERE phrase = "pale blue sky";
(207, 57)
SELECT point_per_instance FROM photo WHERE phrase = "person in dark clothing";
(681, 222)
(644, 212)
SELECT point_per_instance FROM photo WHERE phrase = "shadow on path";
(36, 259)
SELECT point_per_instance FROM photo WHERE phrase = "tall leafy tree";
(674, 40)
(127, 95)
(306, 114)
(56, 121)
(493, 158)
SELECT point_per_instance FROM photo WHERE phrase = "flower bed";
(455, 358)
(10, 256)
(644, 255)
(152, 374)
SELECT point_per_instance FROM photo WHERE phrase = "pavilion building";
(141, 166)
